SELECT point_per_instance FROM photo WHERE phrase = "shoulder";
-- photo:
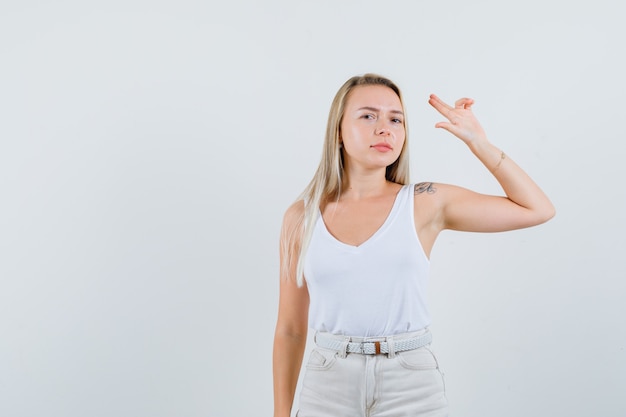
(293, 217)
(439, 198)
(294, 211)
(431, 198)
(426, 187)
(435, 190)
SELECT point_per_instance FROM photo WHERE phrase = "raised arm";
(525, 203)
(292, 324)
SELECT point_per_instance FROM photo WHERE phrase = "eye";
(397, 121)
(368, 116)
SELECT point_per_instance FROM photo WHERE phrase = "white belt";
(372, 347)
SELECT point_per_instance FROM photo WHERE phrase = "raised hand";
(462, 122)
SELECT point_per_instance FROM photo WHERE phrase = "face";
(372, 128)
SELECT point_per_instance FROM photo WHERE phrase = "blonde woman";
(355, 255)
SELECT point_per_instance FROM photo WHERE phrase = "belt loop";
(344, 347)
(391, 347)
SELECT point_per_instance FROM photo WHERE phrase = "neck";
(365, 184)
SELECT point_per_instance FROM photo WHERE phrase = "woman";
(354, 257)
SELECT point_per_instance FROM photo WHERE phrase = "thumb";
(444, 125)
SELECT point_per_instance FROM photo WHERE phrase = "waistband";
(388, 345)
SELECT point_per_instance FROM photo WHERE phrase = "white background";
(148, 150)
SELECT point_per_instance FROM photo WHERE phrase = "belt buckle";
(376, 348)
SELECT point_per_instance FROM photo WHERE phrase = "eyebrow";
(377, 110)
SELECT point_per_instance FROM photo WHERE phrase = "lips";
(382, 147)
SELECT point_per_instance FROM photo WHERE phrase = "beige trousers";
(399, 384)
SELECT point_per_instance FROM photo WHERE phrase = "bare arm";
(291, 327)
(524, 205)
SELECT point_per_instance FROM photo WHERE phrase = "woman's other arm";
(292, 324)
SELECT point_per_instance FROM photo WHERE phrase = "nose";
(382, 129)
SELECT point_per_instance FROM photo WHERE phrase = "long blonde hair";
(329, 177)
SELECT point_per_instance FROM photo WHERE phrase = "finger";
(439, 105)
(435, 100)
(464, 103)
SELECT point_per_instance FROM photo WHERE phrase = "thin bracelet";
(502, 156)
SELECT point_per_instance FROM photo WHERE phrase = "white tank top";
(375, 289)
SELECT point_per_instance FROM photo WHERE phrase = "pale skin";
(372, 131)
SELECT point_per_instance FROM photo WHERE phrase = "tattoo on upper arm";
(422, 187)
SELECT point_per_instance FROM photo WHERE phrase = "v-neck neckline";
(373, 236)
